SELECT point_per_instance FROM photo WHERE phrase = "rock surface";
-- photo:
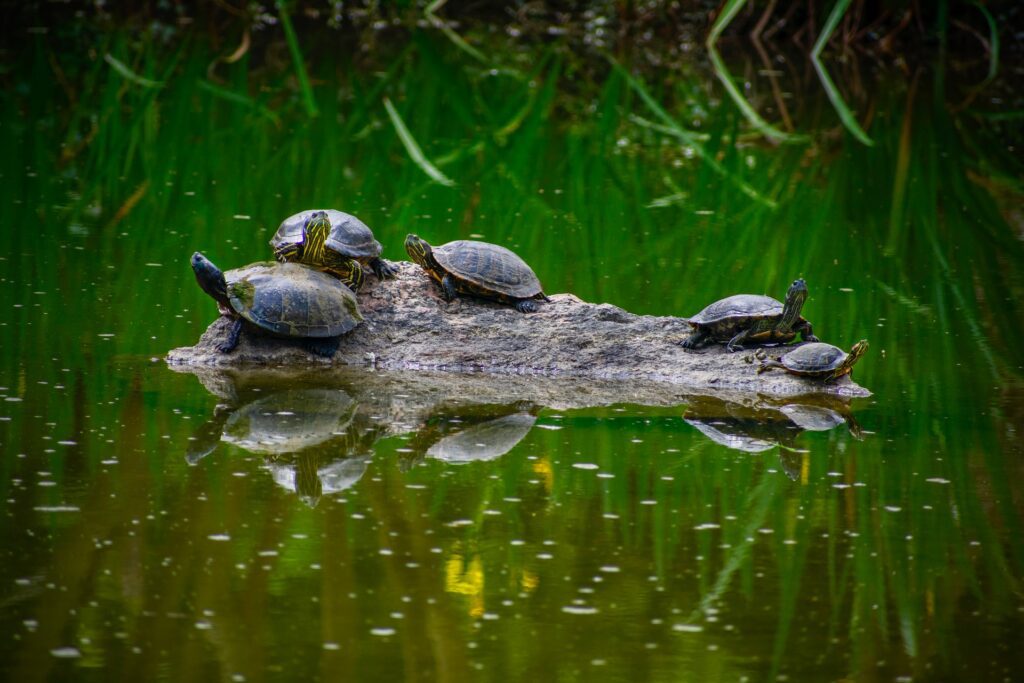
(410, 327)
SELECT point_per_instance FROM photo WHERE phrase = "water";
(167, 525)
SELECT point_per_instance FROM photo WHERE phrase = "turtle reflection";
(460, 435)
(310, 438)
(765, 424)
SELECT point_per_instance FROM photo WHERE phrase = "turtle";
(283, 300)
(336, 242)
(479, 269)
(818, 360)
(751, 319)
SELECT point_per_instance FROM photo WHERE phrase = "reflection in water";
(763, 425)
(486, 440)
(310, 438)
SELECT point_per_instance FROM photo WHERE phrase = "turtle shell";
(813, 358)
(292, 300)
(349, 236)
(487, 441)
(490, 267)
(739, 306)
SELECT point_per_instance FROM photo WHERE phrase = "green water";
(162, 526)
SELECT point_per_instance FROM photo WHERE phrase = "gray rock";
(410, 327)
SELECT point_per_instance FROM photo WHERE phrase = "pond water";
(160, 524)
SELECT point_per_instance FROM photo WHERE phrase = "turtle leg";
(448, 286)
(384, 270)
(289, 252)
(734, 344)
(695, 340)
(768, 364)
(325, 347)
(806, 332)
(231, 342)
(526, 306)
(349, 271)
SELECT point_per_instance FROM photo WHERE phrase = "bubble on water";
(610, 569)
(579, 609)
(687, 628)
(382, 631)
(585, 466)
(57, 508)
(66, 652)
(204, 625)
(219, 537)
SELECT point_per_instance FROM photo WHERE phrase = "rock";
(410, 327)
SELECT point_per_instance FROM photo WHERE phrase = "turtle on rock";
(819, 360)
(479, 269)
(751, 319)
(282, 300)
(336, 242)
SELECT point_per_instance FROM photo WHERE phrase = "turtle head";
(210, 279)
(419, 251)
(314, 236)
(857, 351)
(795, 298)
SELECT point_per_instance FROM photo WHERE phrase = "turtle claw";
(526, 306)
(384, 270)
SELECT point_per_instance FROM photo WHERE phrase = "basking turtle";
(479, 269)
(336, 242)
(283, 300)
(752, 319)
(818, 360)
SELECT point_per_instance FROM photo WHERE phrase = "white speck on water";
(155, 265)
(267, 553)
(66, 652)
(460, 522)
(648, 502)
(687, 628)
(707, 525)
(579, 609)
(68, 443)
(382, 631)
(553, 428)
(241, 217)
(610, 515)
(544, 556)
(106, 335)
(219, 537)
(605, 475)
(610, 569)
(517, 541)
(846, 289)
(57, 508)
(332, 646)
(203, 625)
(937, 480)
(893, 508)
(585, 466)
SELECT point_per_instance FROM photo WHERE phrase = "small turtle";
(479, 269)
(336, 242)
(283, 300)
(818, 360)
(751, 319)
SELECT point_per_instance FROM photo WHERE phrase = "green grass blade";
(413, 148)
(993, 42)
(729, 13)
(834, 96)
(765, 128)
(122, 69)
(300, 67)
(237, 98)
